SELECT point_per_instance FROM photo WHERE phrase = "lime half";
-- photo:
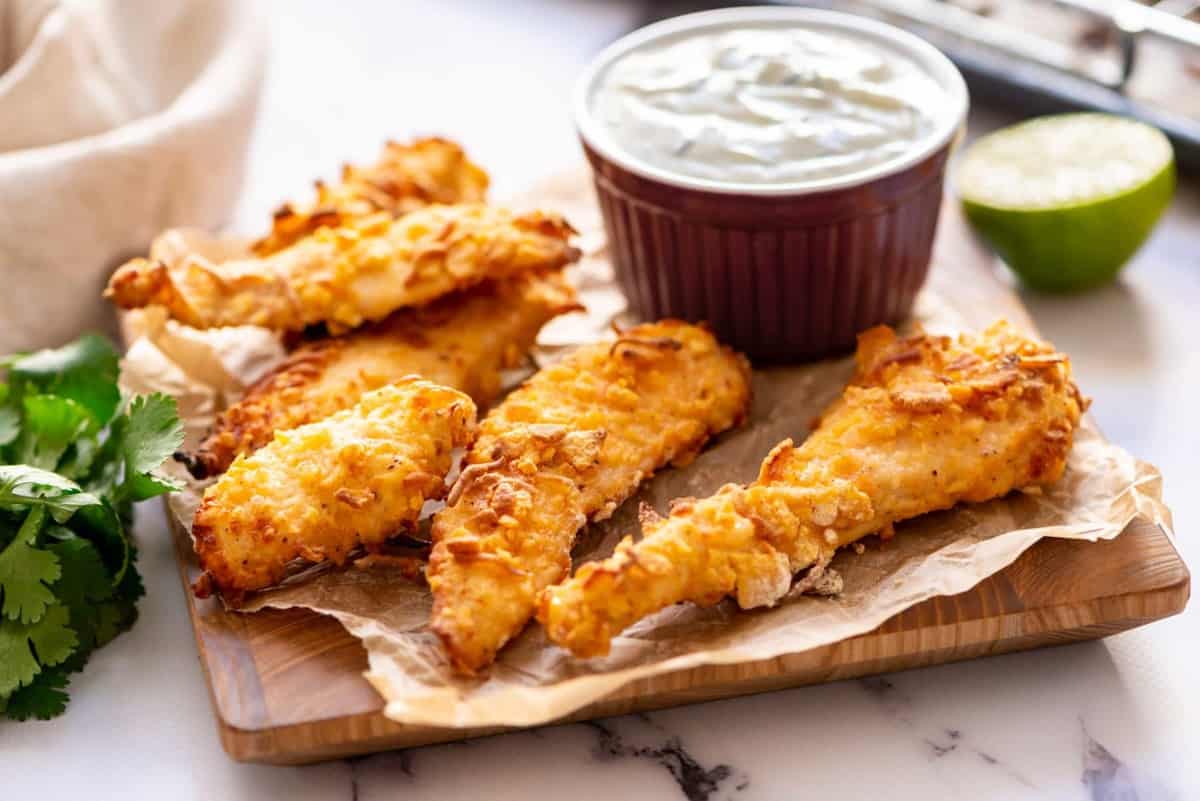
(1066, 200)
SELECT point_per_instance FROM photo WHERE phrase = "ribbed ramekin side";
(786, 285)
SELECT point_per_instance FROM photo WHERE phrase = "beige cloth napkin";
(118, 118)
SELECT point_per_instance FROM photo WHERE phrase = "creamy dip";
(767, 105)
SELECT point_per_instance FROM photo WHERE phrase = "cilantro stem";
(31, 526)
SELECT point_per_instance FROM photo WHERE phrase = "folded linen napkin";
(118, 118)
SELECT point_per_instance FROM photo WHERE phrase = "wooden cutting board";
(287, 686)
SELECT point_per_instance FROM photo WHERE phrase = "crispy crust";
(569, 446)
(406, 177)
(356, 273)
(319, 491)
(461, 341)
(926, 423)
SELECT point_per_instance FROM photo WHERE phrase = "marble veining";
(608, 744)
(609, 753)
(1107, 778)
(695, 781)
(940, 741)
(399, 763)
(614, 748)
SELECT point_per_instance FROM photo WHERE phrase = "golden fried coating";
(406, 177)
(928, 422)
(568, 446)
(319, 491)
(357, 273)
(462, 341)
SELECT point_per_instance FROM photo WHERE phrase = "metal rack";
(1049, 55)
(1043, 56)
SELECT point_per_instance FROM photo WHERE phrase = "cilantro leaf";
(17, 663)
(10, 424)
(154, 433)
(52, 637)
(26, 647)
(43, 698)
(84, 371)
(102, 526)
(51, 425)
(143, 486)
(83, 587)
(114, 617)
(83, 576)
(104, 474)
(20, 475)
(62, 507)
(60, 495)
(10, 418)
(26, 573)
(130, 586)
(79, 458)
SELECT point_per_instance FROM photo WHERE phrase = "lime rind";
(1066, 200)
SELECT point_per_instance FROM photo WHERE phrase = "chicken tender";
(357, 273)
(927, 423)
(461, 341)
(319, 491)
(566, 447)
(406, 177)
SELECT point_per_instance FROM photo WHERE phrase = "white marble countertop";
(1117, 719)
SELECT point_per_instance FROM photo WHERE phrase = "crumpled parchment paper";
(533, 681)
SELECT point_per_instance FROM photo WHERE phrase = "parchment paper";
(533, 681)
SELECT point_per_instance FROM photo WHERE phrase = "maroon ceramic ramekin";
(780, 272)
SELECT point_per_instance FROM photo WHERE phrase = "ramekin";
(782, 272)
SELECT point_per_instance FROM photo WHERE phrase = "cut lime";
(1066, 200)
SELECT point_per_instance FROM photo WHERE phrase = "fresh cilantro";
(84, 371)
(26, 573)
(10, 424)
(25, 576)
(25, 485)
(77, 463)
(74, 456)
(10, 417)
(108, 465)
(151, 436)
(26, 647)
(142, 486)
(13, 476)
(113, 618)
(51, 425)
(84, 587)
(102, 525)
(43, 698)
(154, 432)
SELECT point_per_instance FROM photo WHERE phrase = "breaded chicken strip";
(346, 276)
(462, 341)
(928, 422)
(406, 177)
(319, 491)
(566, 447)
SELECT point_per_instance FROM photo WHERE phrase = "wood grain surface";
(287, 686)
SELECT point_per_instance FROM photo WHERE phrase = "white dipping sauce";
(761, 105)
